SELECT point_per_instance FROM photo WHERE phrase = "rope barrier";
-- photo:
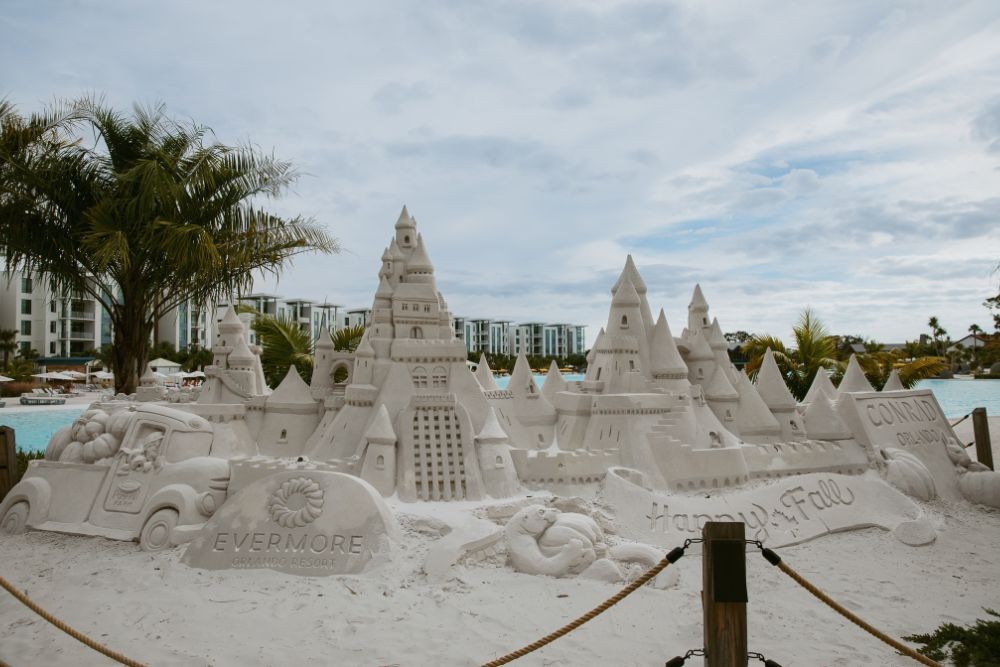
(75, 634)
(671, 557)
(961, 420)
(775, 559)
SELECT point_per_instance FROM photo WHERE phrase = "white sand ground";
(157, 610)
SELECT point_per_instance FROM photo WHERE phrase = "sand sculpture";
(658, 419)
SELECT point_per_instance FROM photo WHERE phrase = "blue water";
(957, 398)
(33, 429)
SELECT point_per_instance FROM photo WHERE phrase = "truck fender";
(179, 497)
(37, 492)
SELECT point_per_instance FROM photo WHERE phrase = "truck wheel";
(155, 535)
(15, 520)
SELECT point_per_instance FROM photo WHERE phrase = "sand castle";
(658, 418)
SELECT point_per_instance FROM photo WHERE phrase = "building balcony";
(81, 315)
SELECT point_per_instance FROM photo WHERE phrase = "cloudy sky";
(843, 156)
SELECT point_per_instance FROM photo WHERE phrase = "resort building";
(547, 340)
(65, 324)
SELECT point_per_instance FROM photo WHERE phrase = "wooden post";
(724, 594)
(981, 430)
(8, 460)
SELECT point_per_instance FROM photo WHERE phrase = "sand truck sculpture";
(144, 473)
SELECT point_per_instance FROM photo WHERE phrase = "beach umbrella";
(4, 378)
(51, 375)
(75, 375)
(104, 375)
(196, 374)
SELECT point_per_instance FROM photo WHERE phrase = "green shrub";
(972, 646)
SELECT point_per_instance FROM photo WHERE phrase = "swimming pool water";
(957, 398)
(33, 430)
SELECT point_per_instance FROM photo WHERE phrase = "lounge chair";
(34, 399)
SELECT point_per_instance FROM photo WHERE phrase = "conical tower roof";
(241, 354)
(665, 359)
(720, 388)
(854, 378)
(404, 221)
(386, 256)
(698, 302)
(753, 416)
(521, 380)
(231, 322)
(293, 390)
(365, 349)
(893, 383)
(716, 339)
(395, 251)
(698, 347)
(492, 432)
(380, 430)
(592, 354)
(821, 384)
(419, 261)
(554, 382)
(822, 421)
(485, 374)
(630, 274)
(324, 341)
(625, 295)
(384, 290)
(771, 385)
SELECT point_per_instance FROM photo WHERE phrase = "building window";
(52, 306)
(26, 306)
(25, 327)
(26, 285)
(25, 347)
(52, 327)
(52, 347)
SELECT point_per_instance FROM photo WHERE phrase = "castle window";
(419, 377)
(406, 306)
(624, 321)
(427, 309)
(598, 373)
(406, 239)
(416, 332)
(284, 434)
(701, 372)
(631, 365)
(704, 321)
(439, 378)
(380, 462)
(499, 463)
(541, 439)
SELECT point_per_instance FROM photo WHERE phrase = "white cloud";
(840, 155)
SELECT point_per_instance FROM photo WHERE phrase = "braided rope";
(573, 625)
(79, 636)
(960, 420)
(902, 648)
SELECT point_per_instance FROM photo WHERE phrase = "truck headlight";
(207, 504)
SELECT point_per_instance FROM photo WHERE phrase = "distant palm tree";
(8, 344)
(141, 213)
(814, 348)
(20, 369)
(937, 333)
(284, 343)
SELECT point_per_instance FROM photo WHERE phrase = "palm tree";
(284, 343)
(348, 338)
(8, 344)
(814, 348)
(141, 212)
(879, 364)
(937, 333)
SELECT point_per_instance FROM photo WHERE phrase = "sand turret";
(554, 383)
(753, 418)
(521, 381)
(821, 384)
(406, 230)
(854, 378)
(493, 448)
(485, 374)
(822, 422)
(893, 383)
(697, 310)
(771, 385)
(378, 466)
(631, 274)
(665, 358)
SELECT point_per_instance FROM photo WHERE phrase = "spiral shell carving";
(312, 505)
